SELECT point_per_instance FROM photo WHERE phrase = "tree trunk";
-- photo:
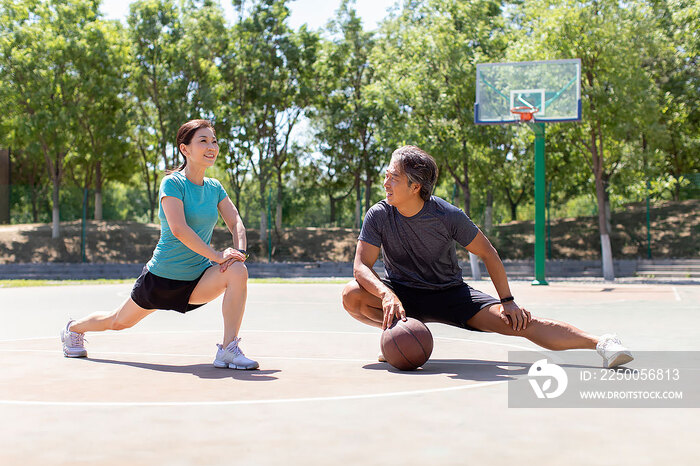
(358, 204)
(55, 174)
(5, 186)
(263, 223)
(513, 211)
(606, 249)
(473, 260)
(152, 194)
(35, 204)
(232, 177)
(474, 265)
(488, 215)
(278, 208)
(98, 191)
(333, 214)
(56, 218)
(368, 190)
(164, 154)
(608, 212)
(35, 189)
(278, 216)
(465, 189)
(151, 189)
(263, 233)
(677, 188)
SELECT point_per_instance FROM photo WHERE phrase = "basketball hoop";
(526, 113)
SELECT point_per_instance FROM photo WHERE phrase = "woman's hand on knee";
(229, 256)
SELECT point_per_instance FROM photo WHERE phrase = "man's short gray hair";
(419, 167)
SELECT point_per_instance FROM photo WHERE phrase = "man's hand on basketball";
(514, 315)
(229, 256)
(392, 308)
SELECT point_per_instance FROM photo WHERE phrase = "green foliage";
(427, 66)
(126, 201)
(346, 117)
(94, 103)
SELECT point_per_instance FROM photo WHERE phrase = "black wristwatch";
(507, 300)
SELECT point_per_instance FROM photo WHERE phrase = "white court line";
(165, 332)
(260, 357)
(126, 353)
(243, 402)
(675, 291)
(253, 402)
(334, 332)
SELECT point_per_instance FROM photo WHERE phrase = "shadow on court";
(203, 371)
(476, 370)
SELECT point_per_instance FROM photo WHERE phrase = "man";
(416, 233)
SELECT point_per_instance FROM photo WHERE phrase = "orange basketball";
(407, 345)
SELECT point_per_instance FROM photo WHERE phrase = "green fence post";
(549, 221)
(539, 205)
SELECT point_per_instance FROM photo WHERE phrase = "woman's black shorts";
(452, 306)
(154, 292)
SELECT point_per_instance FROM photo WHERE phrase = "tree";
(43, 47)
(271, 84)
(345, 114)
(203, 44)
(428, 62)
(157, 89)
(609, 38)
(103, 117)
(515, 178)
(674, 65)
(156, 73)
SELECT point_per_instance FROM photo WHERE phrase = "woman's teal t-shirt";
(171, 258)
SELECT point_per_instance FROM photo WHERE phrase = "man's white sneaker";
(613, 352)
(232, 357)
(73, 343)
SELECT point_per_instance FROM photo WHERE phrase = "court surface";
(149, 395)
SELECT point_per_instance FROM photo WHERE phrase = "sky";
(315, 13)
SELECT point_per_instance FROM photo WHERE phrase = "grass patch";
(105, 281)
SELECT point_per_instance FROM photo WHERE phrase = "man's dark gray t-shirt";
(419, 251)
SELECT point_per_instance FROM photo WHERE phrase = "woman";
(181, 275)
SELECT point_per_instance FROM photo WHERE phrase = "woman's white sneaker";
(232, 357)
(73, 343)
(612, 350)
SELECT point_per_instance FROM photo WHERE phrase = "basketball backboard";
(551, 90)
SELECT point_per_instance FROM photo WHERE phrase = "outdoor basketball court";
(149, 395)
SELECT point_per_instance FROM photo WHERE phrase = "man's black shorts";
(452, 306)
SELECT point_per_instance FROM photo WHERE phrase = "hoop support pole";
(538, 128)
